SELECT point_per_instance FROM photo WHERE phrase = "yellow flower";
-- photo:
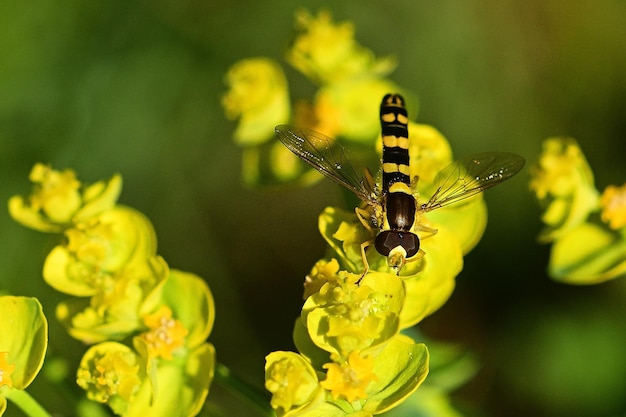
(322, 272)
(57, 200)
(343, 317)
(429, 152)
(350, 109)
(98, 248)
(109, 372)
(563, 181)
(350, 379)
(166, 334)
(326, 52)
(429, 280)
(58, 195)
(613, 202)
(258, 96)
(584, 251)
(291, 379)
(6, 370)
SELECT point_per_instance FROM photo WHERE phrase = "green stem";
(253, 396)
(26, 403)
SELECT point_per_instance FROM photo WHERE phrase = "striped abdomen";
(395, 240)
(395, 133)
(400, 203)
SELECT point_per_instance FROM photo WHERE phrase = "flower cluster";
(121, 290)
(22, 346)
(587, 228)
(350, 82)
(350, 333)
(352, 358)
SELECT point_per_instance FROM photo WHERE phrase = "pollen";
(351, 379)
(6, 369)
(166, 334)
(613, 202)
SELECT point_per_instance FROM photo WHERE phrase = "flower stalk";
(25, 402)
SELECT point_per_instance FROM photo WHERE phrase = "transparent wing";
(471, 175)
(328, 157)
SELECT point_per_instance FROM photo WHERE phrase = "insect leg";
(366, 264)
(363, 215)
(419, 255)
(429, 231)
(365, 218)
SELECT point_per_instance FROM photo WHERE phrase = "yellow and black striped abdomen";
(395, 240)
(394, 121)
(400, 205)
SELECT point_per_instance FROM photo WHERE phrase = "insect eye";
(389, 239)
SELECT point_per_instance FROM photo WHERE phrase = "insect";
(396, 211)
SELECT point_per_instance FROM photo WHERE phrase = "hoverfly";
(396, 211)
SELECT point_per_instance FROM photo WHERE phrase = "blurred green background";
(134, 87)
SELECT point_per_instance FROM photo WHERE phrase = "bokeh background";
(134, 87)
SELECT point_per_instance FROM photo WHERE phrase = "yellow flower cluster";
(587, 248)
(350, 82)
(120, 288)
(352, 358)
(349, 333)
(358, 327)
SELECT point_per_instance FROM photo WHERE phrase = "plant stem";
(253, 396)
(26, 403)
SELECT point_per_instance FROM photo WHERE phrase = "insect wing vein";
(328, 157)
(471, 175)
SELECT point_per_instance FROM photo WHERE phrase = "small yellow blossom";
(258, 96)
(109, 372)
(429, 153)
(344, 233)
(322, 272)
(350, 109)
(562, 168)
(343, 317)
(584, 250)
(291, 380)
(58, 196)
(117, 239)
(58, 199)
(351, 379)
(613, 202)
(327, 52)
(6, 369)
(166, 334)
(563, 182)
(54, 201)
